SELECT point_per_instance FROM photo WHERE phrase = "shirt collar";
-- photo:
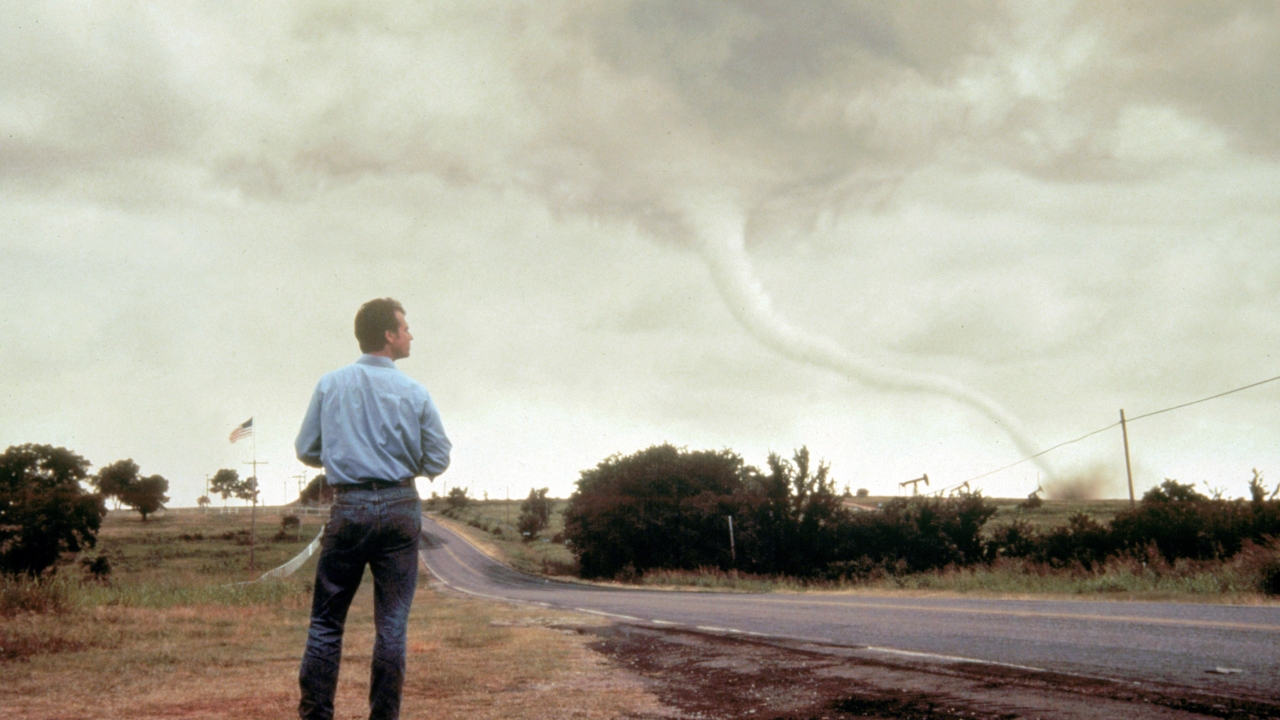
(377, 361)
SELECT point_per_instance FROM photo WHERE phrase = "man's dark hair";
(374, 320)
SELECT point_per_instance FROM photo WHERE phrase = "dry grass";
(119, 653)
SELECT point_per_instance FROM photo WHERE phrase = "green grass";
(1054, 513)
(494, 523)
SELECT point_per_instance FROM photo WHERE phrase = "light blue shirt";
(369, 421)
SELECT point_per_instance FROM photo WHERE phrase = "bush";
(1269, 577)
(535, 512)
(920, 533)
(1172, 491)
(1082, 541)
(663, 507)
(1017, 539)
(99, 568)
(1194, 527)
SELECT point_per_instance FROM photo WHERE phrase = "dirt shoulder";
(699, 675)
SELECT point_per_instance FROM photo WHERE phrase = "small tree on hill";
(457, 498)
(114, 480)
(1257, 490)
(1172, 491)
(228, 484)
(535, 512)
(147, 495)
(248, 490)
(43, 509)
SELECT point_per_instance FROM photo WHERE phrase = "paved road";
(1132, 642)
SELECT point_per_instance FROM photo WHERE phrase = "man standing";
(373, 429)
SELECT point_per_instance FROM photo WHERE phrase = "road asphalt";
(1223, 650)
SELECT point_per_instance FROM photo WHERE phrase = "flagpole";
(247, 428)
(253, 509)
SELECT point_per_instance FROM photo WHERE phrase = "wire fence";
(280, 510)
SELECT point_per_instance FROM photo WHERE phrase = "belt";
(373, 484)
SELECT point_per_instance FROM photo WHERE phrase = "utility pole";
(1128, 467)
(253, 512)
(300, 477)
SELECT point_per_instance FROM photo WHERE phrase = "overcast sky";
(918, 238)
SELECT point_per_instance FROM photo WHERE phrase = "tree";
(228, 483)
(147, 495)
(225, 482)
(793, 517)
(1257, 490)
(44, 511)
(535, 511)
(317, 492)
(457, 498)
(203, 502)
(248, 490)
(114, 480)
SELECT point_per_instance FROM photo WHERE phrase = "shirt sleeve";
(435, 444)
(308, 444)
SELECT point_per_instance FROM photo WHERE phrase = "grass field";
(493, 523)
(1051, 513)
(166, 638)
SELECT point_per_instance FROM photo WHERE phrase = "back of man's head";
(374, 320)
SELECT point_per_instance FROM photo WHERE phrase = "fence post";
(733, 553)
(1128, 467)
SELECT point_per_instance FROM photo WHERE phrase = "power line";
(1115, 424)
(1211, 397)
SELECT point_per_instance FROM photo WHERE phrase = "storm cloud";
(1053, 210)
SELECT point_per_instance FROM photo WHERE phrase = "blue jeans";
(378, 528)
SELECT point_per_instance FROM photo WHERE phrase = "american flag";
(243, 430)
